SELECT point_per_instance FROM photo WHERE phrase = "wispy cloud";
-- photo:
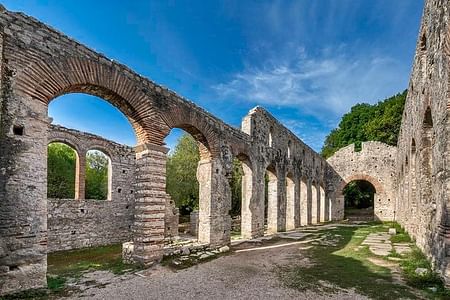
(324, 86)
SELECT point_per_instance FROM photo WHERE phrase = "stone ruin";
(38, 64)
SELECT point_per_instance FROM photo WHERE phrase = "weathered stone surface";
(38, 64)
(375, 163)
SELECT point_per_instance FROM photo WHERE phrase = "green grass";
(346, 266)
(74, 262)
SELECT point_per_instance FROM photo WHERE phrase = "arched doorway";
(359, 200)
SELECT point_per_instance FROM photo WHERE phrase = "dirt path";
(240, 275)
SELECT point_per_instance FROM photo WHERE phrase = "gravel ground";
(243, 275)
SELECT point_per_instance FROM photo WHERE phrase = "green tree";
(236, 188)
(182, 184)
(365, 122)
(61, 168)
(96, 175)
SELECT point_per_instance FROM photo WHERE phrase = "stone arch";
(372, 180)
(45, 80)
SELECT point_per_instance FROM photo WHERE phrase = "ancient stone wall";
(39, 64)
(375, 163)
(423, 146)
(80, 222)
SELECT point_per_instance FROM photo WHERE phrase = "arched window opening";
(98, 176)
(271, 200)
(241, 184)
(270, 140)
(181, 179)
(359, 196)
(412, 174)
(188, 183)
(290, 202)
(426, 157)
(289, 149)
(62, 162)
(92, 114)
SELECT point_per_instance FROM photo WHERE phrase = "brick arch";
(196, 124)
(139, 101)
(372, 180)
(101, 148)
(65, 140)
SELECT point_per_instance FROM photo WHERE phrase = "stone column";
(290, 204)
(309, 198)
(322, 208)
(281, 202)
(297, 216)
(80, 176)
(304, 207)
(315, 194)
(252, 216)
(272, 203)
(214, 203)
(150, 201)
(23, 190)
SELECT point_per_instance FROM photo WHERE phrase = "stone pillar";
(214, 203)
(315, 195)
(322, 208)
(193, 223)
(281, 203)
(150, 201)
(23, 190)
(251, 222)
(304, 207)
(297, 216)
(80, 176)
(290, 204)
(272, 203)
(309, 198)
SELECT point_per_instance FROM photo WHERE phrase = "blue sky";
(306, 61)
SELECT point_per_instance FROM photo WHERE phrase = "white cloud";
(325, 86)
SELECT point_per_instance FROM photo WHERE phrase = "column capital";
(153, 147)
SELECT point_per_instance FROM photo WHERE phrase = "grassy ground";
(342, 263)
(65, 266)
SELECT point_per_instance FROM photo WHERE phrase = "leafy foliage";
(236, 188)
(365, 122)
(359, 194)
(182, 184)
(61, 163)
(96, 175)
(62, 160)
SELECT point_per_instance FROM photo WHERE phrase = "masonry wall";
(39, 64)
(375, 163)
(423, 146)
(77, 223)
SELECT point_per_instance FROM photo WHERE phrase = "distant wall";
(77, 223)
(376, 164)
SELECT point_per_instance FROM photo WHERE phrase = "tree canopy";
(182, 184)
(61, 165)
(365, 122)
(61, 169)
(96, 175)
